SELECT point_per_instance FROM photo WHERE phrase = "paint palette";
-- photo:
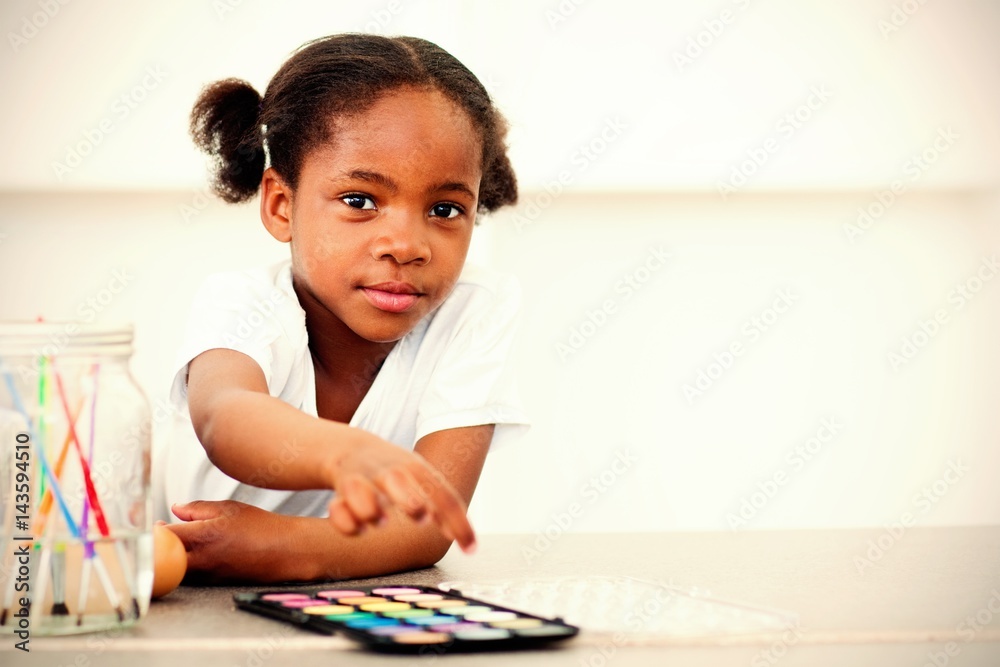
(408, 619)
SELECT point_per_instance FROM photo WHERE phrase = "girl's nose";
(402, 237)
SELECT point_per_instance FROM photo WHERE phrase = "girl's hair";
(324, 80)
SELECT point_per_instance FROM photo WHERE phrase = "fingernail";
(471, 548)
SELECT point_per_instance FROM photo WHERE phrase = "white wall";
(136, 204)
(619, 385)
(886, 89)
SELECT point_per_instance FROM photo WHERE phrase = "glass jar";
(75, 436)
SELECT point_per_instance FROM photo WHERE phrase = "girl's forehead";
(404, 103)
(406, 124)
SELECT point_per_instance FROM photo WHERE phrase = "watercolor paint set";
(408, 619)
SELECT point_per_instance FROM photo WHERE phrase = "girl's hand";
(245, 430)
(375, 474)
(228, 540)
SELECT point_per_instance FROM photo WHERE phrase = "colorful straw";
(92, 501)
(43, 393)
(88, 545)
(59, 561)
(46, 505)
(88, 481)
(53, 486)
(42, 460)
(81, 604)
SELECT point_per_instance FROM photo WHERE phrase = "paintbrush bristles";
(59, 607)
(63, 546)
(84, 583)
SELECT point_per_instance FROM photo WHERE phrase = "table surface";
(908, 607)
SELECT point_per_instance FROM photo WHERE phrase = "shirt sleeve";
(254, 312)
(233, 311)
(473, 382)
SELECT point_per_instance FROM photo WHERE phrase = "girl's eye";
(445, 211)
(359, 202)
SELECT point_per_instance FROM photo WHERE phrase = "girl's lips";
(390, 302)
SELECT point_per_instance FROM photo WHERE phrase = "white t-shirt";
(452, 370)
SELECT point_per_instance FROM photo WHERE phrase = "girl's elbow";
(434, 550)
(211, 424)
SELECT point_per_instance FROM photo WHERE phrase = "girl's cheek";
(326, 249)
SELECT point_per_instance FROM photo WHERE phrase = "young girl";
(341, 404)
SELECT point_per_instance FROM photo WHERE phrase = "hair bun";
(225, 124)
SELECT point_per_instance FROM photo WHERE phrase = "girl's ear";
(276, 206)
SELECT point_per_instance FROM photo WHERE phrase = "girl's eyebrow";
(374, 177)
(389, 184)
(453, 186)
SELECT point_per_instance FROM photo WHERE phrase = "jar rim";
(63, 337)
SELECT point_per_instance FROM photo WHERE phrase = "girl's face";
(382, 216)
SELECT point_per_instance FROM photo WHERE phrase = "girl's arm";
(228, 540)
(260, 440)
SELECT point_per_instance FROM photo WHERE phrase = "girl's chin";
(385, 333)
